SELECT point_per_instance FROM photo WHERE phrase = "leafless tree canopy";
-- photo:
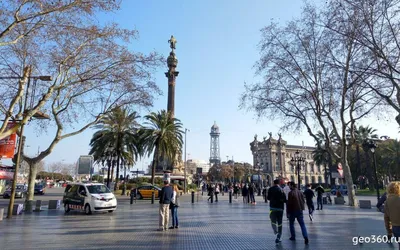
(92, 66)
(311, 75)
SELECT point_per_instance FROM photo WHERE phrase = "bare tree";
(23, 19)
(92, 68)
(308, 81)
(378, 33)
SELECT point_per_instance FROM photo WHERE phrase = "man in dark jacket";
(166, 194)
(320, 191)
(309, 194)
(295, 207)
(277, 199)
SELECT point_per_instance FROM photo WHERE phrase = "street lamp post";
(185, 165)
(296, 161)
(21, 141)
(372, 146)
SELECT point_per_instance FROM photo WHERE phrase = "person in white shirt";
(174, 207)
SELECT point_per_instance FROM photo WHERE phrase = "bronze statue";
(264, 138)
(270, 134)
(255, 137)
(172, 42)
(280, 135)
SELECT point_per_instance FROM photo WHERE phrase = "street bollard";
(192, 196)
(230, 197)
(1, 213)
(38, 206)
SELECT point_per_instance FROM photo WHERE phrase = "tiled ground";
(202, 226)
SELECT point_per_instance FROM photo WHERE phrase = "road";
(51, 194)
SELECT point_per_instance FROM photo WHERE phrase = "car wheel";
(110, 211)
(87, 209)
(139, 196)
(67, 208)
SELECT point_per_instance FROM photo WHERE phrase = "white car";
(89, 197)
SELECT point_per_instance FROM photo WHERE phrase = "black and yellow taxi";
(145, 191)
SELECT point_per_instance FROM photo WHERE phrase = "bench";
(339, 200)
(365, 204)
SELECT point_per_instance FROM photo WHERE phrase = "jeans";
(252, 200)
(164, 216)
(310, 205)
(299, 216)
(276, 222)
(174, 214)
(216, 197)
(245, 199)
(396, 233)
(319, 201)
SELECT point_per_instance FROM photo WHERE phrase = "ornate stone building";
(272, 157)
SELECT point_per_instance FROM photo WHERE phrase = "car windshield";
(98, 189)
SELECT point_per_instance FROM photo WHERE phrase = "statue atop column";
(172, 43)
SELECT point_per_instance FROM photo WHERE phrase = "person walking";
(217, 189)
(245, 194)
(392, 208)
(251, 194)
(286, 189)
(277, 199)
(309, 194)
(236, 191)
(320, 192)
(174, 207)
(295, 207)
(166, 194)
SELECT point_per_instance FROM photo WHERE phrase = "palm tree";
(117, 130)
(162, 134)
(363, 135)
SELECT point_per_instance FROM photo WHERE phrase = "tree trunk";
(112, 171)
(349, 180)
(117, 177)
(31, 185)
(326, 175)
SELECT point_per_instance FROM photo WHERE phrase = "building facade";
(272, 157)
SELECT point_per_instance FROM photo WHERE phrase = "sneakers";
(278, 239)
(292, 238)
(306, 241)
(171, 227)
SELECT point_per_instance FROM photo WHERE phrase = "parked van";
(89, 197)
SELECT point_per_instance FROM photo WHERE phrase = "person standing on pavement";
(309, 194)
(211, 193)
(165, 201)
(245, 194)
(320, 192)
(251, 194)
(174, 207)
(295, 207)
(277, 199)
(392, 208)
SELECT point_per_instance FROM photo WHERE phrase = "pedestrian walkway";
(202, 226)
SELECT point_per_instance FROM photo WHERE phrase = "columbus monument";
(177, 165)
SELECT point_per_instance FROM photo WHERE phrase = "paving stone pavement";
(201, 226)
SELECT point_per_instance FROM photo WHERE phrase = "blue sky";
(216, 49)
